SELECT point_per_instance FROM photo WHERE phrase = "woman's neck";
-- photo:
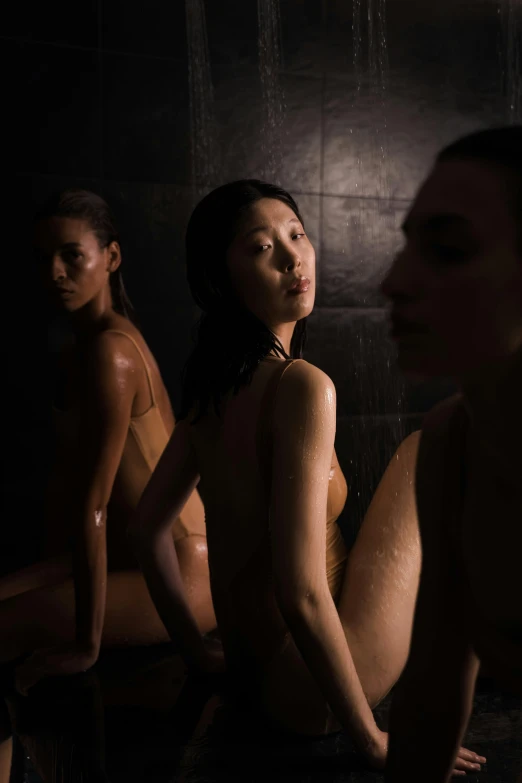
(284, 333)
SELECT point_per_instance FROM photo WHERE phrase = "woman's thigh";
(45, 616)
(44, 573)
(378, 595)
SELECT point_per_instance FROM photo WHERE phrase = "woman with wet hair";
(314, 637)
(113, 420)
(456, 294)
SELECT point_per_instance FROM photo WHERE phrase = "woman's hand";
(377, 750)
(467, 761)
(53, 662)
(376, 753)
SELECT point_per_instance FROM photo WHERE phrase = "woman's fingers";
(467, 761)
(469, 755)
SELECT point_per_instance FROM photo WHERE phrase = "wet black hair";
(89, 206)
(500, 147)
(230, 340)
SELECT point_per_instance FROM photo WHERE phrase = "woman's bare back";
(231, 483)
(377, 589)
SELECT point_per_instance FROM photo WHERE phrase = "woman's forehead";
(268, 209)
(63, 230)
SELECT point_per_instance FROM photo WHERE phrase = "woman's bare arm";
(104, 409)
(171, 485)
(304, 433)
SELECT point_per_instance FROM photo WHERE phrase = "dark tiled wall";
(101, 99)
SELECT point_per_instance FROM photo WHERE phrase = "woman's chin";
(300, 309)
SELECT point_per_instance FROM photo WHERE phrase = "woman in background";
(113, 420)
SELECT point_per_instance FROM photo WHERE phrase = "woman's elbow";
(299, 602)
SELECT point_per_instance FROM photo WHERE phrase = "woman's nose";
(57, 269)
(293, 261)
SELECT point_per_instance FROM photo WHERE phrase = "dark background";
(97, 94)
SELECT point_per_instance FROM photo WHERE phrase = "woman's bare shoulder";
(115, 346)
(304, 390)
(307, 378)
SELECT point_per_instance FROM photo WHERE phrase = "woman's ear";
(114, 256)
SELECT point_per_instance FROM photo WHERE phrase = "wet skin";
(105, 385)
(348, 655)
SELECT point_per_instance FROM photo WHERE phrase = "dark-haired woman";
(313, 638)
(456, 294)
(113, 421)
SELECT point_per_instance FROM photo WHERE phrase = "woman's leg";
(378, 596)
(376, 606)
(45, 616)
(46, 572)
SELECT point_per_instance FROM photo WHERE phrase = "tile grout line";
(182, 185)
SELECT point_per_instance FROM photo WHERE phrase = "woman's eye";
(262, 248)
(298, 236)
(72, 256)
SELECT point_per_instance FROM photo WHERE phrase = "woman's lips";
(300, 286)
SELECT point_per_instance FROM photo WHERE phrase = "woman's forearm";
(90, 579)
(159, 563)
(320, 638)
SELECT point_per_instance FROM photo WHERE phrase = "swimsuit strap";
(145, 364)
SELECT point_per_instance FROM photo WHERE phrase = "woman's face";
(456, 286)
(272, 264)
(76, 270)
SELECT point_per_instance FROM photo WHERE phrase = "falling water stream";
(511, 53)
(204, 148)
(379, 388)
(371, 75)
(269, 50)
